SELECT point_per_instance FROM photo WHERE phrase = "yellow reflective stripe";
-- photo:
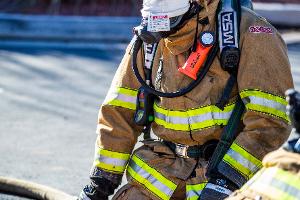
(146, 183)
(259, 93)
(113, 154)
(111, 161)
(122, 97)
(123, 104)
(280, 184)
(196, 187)
(109, 167)
(208, 124)
(236, 165)
(176, 127)
(153, 172)
(267, 110)
(175, 113)
(192, 112)
(242, 161)
(150, 178)
(265, 102)
(193, 192)
(127, 91)
(192, 119)
(288, 178)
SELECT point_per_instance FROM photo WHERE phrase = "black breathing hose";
(137, 46)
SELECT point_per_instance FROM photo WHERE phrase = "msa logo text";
(227, 19)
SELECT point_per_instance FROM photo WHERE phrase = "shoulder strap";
(229, 22)
(229, 19)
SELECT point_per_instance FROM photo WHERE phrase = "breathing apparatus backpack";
(228, 21)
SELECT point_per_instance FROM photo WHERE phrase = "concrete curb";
(66, 28)
(103, 32)
(279, 14)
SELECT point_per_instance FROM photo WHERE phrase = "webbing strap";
(227, 91)
(228, 135)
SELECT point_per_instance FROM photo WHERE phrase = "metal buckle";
(181, 150)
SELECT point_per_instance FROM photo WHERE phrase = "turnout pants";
(155, 172)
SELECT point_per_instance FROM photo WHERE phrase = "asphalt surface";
(49, 100)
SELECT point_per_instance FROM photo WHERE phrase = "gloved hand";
(89, 192)
(217, 189)
(102, 185)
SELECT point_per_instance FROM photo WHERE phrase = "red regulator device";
(198, 57)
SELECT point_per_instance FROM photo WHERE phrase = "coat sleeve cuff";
(111, 161)
(238, 165)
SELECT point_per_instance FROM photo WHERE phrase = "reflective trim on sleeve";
(279, 183)
(192, 119)
(150, 178)
(111, 161)
(218, 188)
(242, 161)
(193, 192)
(264, 102)
(122, 97)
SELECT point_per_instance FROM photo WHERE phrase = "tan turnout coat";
(264, 73)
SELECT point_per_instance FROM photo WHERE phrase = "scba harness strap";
(229, 18)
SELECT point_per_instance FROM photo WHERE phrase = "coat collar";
(183, 39)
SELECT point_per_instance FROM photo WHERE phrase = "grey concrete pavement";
(49, 101)
(49, 104)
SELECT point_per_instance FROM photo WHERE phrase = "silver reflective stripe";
(293, 191)
(112, 161)
(156, 183)
(218, 188)
(171, 119)
(222, 115)
(126, 98)
(243, 161)
(193, 193)
(278, 182)
(266, 102)
(201, 118)
(193, 119)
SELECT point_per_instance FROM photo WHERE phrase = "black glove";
(293, 110)
(89, 192)
(217, 189)
(103, 184)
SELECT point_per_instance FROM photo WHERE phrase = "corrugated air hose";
(31, 190)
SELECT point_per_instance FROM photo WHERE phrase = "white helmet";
(172, 8)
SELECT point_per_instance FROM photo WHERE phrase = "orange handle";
(195, 61)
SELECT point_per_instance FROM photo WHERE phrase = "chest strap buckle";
(181, 150)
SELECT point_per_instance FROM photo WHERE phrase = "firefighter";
(165, 95)
(279, 179)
